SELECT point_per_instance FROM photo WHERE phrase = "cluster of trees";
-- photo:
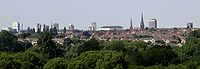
(96, 54)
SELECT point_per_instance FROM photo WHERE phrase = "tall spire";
(131, 27)
(142, 22)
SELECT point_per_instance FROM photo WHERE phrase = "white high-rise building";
(16, 26)
(153, 23)
(93, 26)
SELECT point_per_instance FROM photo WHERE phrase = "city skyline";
(176, 13)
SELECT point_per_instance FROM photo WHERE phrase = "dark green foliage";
(115, 46)
(54, 31)
(24, 35)
(48, 46)
(97, 60)
(159, 55)
(90, 45)
(56, 63)
(67, 42)
(31, 59)
(8, 42)
(7, 61)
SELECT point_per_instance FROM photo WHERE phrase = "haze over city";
(169, 13)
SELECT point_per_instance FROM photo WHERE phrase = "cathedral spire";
(142, 22)
(131, 26)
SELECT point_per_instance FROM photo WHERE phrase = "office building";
(56, 25)
(93, 26)
(190, 25)
(153, 23)
(16, 26)
(71, 27)
(45, 27)
(38, 27)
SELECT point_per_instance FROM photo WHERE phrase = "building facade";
(56, 25)
(38, 27)
(93, 26)
(190, 25)
(71, 27)
(111, 28)
(16, 26)
(153, 23)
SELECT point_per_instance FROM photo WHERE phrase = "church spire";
(131, 26)
(142, 22)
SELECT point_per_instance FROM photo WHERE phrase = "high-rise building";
(71, 27)
(131, 26)
(93, 26)
(16, 26)
(45, 27)
(142, 22)
(153, 23)
(190, 25)
(56, 25)
(38, 27)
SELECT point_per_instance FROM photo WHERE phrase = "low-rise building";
(111, 28)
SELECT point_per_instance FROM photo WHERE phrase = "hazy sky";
(169, 13)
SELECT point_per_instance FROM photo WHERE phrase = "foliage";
(48, 46)
(115, 46)
(97, 60)
(56, 63)
(9, 42)
(90, 45)
(8, 62)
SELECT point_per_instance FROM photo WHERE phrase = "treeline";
(96, 54)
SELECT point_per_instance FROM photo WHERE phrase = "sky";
(80, 13)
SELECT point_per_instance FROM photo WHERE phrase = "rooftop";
(111, 27)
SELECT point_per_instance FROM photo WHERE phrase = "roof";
(111, 27)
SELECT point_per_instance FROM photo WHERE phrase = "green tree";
(7, 41)
(48, 46)
(90, 45)
(31, 59)
(115, 46)
(97, 60)
(7, 61)
(56, 63)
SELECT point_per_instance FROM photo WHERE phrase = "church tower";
(142, 22)
(131, 26)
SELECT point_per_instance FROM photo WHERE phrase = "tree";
(24, 35)
(90, 45)
(7, 41)
(98, 60)
(163, 55)
(140, 44)
(56, 63)
(115, 46)
(48, 46)
(8, 62)
(53, 31)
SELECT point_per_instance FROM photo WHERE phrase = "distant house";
(110, 28)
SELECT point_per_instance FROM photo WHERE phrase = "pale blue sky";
(170, 13)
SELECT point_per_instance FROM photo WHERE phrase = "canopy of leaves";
(97, 60)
